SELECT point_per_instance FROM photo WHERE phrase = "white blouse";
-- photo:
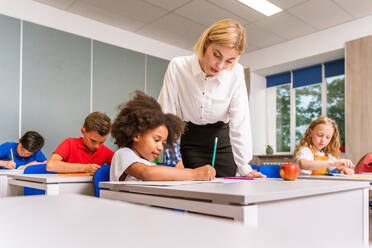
(193, 97)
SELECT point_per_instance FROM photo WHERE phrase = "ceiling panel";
(285, 4)
(174, 29)
(321, 14)
(60, 4)
(137, 10)
(180, 22)
(286, 25)
(260, 37)
(88, 10)
(239, 9)
(357, 9)
(168, 4)
(197, 10)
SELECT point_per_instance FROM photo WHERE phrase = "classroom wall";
(315, 48)
(51, 80)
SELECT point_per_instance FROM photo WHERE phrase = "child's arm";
(306, 164)
(56, 164)
(164, 173)
(8, 164)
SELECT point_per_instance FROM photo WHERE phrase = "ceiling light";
(263, 6)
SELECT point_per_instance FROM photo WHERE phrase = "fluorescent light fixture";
(263, 6)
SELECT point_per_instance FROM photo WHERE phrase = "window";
(283, 142)
(298, 103)
(336, 104)
(308, 107)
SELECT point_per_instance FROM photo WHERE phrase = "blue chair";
(101, 175)
(270, 170)
(36, 169)
(254, 167)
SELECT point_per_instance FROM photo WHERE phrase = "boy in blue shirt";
(172, 156)
(23, 154)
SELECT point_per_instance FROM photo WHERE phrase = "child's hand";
(345, 170)
(344, 163)
(205, 173)
(91, 168)
(9, 164)
(256, 174)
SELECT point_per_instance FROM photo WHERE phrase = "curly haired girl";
(140, 131)
(318, 150)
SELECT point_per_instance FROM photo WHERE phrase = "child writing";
(318, 151)
(24, 153)
(140, 130)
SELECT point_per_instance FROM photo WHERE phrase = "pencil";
(214, 151)
(11, 152)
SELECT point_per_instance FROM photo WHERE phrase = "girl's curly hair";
(140, 114)
(332, 148)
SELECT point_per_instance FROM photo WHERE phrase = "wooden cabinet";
(358, 97)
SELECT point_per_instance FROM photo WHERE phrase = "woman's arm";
(168, 93)
(165, 173)
(240, 128)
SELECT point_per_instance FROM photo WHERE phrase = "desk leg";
(14, 190)
(52, 189)
(3, 185)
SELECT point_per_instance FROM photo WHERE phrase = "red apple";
(289, 171)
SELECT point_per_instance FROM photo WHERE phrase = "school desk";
(4, 180)
(53, 184)
(78, 221)
(82, 221)
(326, 208)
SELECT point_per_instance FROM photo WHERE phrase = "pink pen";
(241, 178)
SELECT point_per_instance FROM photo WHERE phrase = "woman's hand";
(255, 174)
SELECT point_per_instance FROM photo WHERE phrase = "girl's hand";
(256, 174)
(344, 163)
(345, 170)
(205, 173)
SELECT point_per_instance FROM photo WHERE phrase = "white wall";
(315, 48)
(38, 13)
(257, 101)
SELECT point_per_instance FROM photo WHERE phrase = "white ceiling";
(180, 22)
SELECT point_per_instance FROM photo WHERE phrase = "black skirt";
(197, 144)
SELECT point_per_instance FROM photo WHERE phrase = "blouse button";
(201, 107)
(203, 93)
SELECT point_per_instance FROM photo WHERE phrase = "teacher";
(208, 91)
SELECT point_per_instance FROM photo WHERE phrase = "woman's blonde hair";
(332, 148)
(226, 32)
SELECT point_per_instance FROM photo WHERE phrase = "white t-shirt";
(306, 153)
(193, 97)
(122, 159)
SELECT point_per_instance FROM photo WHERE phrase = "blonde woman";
(207, 90)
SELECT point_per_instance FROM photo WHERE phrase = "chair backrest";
(270, 170)
(101, 175)
(36, 169)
